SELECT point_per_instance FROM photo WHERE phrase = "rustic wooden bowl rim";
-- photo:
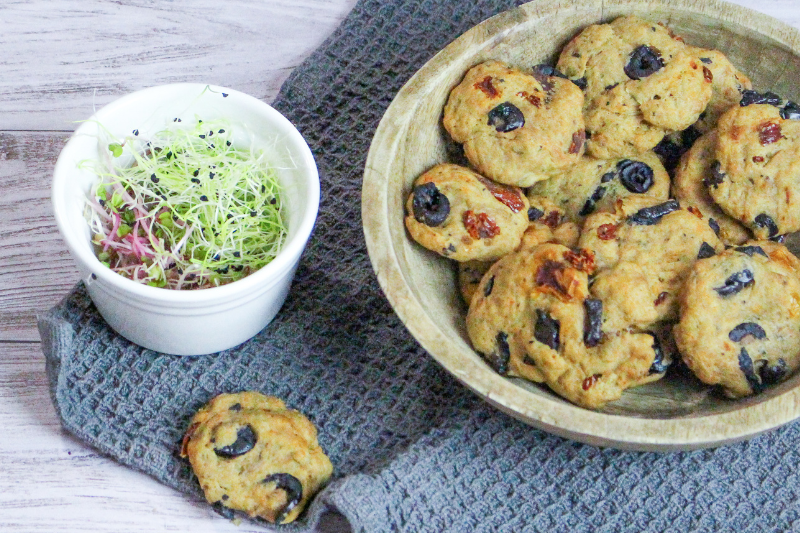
(746, 418)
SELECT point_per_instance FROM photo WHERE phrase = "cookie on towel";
(252, 454)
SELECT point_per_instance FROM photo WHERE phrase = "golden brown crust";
(744, 336)
(238, 443)
(484, 221)
(550, 140)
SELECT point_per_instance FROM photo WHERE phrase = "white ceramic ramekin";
(190, 322)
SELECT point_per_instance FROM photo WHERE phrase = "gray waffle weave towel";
(413, 450)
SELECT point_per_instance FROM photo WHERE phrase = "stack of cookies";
(620, 212)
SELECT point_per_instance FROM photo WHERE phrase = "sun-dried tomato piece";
(769, 132)
(606, 232)
(485, 86)
(509, 196)
(583, 259)
(661, 298)
(589, 382)
(480, 225)
(696, 212)
(532, 98)
(709, 77)
(577, 141)
(552, 220)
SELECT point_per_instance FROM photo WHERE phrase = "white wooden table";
(59, 59)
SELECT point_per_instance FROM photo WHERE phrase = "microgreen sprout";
(190, 212)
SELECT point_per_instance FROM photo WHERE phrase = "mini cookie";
(517, 128)
(756, 178)
(533, 317)
(689, 189)
(726, 88)
(252, 454)
(595, 184)
(464, 216)
(641, 82)
(643, 253)
(740, 318)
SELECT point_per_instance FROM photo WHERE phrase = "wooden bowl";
(674, 413)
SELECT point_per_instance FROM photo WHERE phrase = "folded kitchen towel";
(413, 450)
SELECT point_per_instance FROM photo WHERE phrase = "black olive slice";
(790, 111)
(754, 97)
(224, 512)
(235, 407)
(714, 225)
(592, 322)
(294, 492)
(589, 206)
(499, 360)
(636, 176)
(534, 214)
(660, 363)
(430, 206)
(580, 82)
(547, 330)
(750, 250)
(245, 441)
(644, 61)
(706, 251)
(487, 290)
(735, 283)
(545, 70)
(652, 215)
(765, 221)
(506, 117)
(716, 177)
(771, 375)
(747, 328)
(746, 366)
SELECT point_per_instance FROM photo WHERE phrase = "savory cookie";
(595, 184)
(252, 454)
(740, 318)
(533, 317)
(464, 216)
(640, 81)
(643, 253)
(756, 177)
(688, 187)
(728, 84)
(516, 128)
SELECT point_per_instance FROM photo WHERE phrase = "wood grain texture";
(64, 58)
(672, 414)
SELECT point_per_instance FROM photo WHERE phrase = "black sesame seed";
(202, 136)
(136, 132)
(195, 180)
(154, 178)
(227, 143)
(196, 172)
(224, 95)
(237, 254)
(203, 197)
(273, 201)
(253, 213)
(211, 175)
